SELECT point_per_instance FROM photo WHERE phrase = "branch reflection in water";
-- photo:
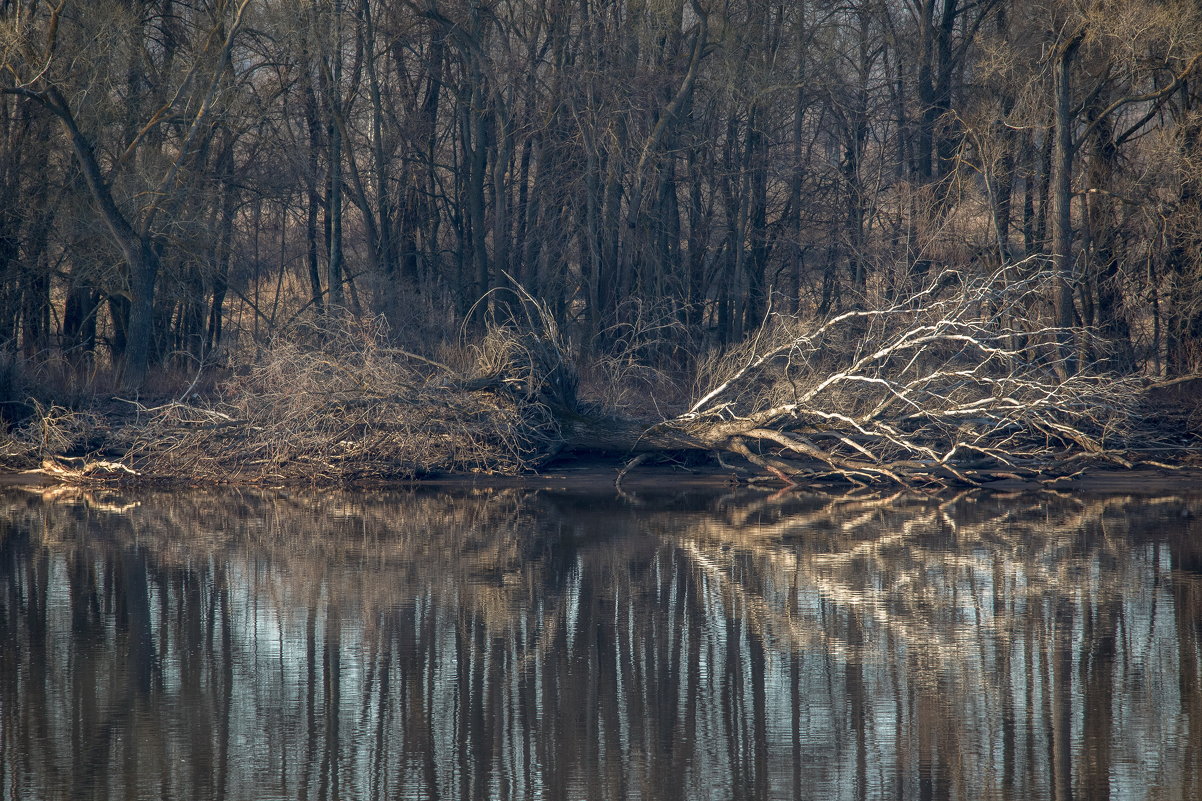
(521, 644)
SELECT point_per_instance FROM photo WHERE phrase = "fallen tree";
(957, 383)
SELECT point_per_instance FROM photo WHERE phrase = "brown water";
(520, 644)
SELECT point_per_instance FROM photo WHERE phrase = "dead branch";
(957, 384)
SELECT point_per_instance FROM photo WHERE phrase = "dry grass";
(333, 402)
(641, 373)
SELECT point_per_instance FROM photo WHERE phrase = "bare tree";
(42, 74)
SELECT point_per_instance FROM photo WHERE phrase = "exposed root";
(626, 468)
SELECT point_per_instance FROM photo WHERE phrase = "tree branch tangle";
(958, 383)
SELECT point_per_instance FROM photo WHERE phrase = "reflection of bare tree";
(516, 644)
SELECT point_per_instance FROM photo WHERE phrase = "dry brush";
(955, 383)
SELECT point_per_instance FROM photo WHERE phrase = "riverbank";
(601, 475)
(346, 412)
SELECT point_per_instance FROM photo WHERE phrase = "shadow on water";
(524, 644)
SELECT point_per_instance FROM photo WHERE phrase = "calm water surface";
(522, 644)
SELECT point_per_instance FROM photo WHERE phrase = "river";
(522, 644)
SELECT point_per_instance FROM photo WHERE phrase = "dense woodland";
(179, 179)
(181, 183)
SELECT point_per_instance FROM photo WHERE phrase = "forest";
(782, 230)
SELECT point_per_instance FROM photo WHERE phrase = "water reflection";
(516, 644)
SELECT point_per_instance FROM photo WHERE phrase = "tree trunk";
(312, 197)
(79, 319)
(334, 216)
(141, 255)
(1062, 254)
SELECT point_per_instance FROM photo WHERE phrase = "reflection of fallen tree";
(486, 549)
(925, 568)
(841, 575)
(935, 577)
(577, 639)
